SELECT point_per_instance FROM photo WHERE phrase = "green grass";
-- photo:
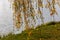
(49, 31)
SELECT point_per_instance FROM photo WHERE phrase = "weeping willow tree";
(30, 10)
(26, 7)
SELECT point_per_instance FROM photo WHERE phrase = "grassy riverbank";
(49, 31)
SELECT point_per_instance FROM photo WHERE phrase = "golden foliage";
(40, 4)
(28, 10)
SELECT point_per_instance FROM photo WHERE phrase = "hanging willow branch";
(25, 10)
(17, 13)
(32, 11)
(58, 2)
(53, 10)
(40, 5)
(51, 6)
(48, 5)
